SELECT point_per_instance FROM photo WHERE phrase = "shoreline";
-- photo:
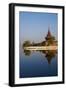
(40, 47)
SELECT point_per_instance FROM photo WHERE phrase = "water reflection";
(48, 54)
(27, 52)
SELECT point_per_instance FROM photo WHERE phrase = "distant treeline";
(44, 43)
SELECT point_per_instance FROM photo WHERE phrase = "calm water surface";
(38, 64)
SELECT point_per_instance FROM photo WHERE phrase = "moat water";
(38, 63)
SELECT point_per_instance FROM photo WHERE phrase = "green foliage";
(26, 43)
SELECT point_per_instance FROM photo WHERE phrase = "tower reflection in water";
(49, 54)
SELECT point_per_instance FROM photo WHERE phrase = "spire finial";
(49, 28)
(49, 34)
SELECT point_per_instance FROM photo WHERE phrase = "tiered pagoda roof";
(49, 36)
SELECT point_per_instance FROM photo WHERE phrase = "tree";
(26, 43)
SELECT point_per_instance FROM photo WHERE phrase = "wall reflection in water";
(49, 54)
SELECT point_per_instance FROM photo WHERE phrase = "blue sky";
(33, 26)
